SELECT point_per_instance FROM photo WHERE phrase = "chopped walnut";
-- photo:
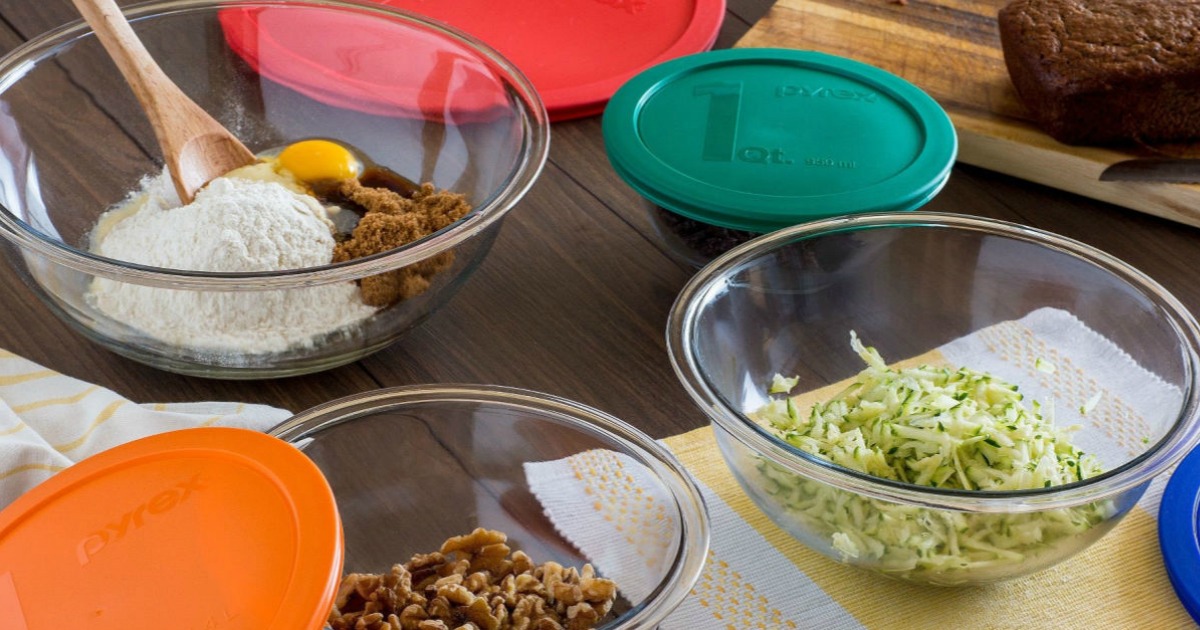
(474, 582)
(473, 542)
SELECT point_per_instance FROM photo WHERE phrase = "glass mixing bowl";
(786, 302)
(409, 94)
(413, 466)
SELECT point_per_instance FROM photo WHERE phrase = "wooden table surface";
(574, 297)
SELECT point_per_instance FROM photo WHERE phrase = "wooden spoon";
(196, 147)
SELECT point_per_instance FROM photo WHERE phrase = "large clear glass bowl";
(785, 303)
(442, 108)
(413, 466)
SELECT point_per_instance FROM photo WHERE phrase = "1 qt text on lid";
(758, 139)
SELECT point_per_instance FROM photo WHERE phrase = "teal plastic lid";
(759, 139)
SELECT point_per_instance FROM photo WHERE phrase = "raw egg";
(319, 160)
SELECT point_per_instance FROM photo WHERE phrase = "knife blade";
(1154, 169)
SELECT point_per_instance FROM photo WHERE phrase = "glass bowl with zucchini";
(939, 398)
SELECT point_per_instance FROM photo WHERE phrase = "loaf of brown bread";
(1106, 71)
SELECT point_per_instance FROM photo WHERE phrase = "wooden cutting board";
(951, 49)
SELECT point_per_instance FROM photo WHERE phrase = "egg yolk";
(319, 160)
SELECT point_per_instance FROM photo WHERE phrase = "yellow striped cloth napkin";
(49, 421)
(758, 576)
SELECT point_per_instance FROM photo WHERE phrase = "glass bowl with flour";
(267, 272)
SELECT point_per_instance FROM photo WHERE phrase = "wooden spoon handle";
(127, 51)
(178, 122)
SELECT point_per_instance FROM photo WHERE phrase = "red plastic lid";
(199, 528)
(576, 54)
(354, 60)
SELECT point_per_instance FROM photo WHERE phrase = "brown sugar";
(392, 220)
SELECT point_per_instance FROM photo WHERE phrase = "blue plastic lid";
(1179, 532)
(759, 139)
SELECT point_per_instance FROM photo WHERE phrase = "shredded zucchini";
(938, 427)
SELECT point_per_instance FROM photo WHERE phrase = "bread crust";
(1106, 71)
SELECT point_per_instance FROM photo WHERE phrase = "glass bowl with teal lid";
(732, 144)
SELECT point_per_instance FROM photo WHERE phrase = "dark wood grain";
(575, 294)
(536, 315)
(574, 297)
(596, 338)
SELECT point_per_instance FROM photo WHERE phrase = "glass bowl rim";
(694, 520)
(532, 155)
(1179, 439)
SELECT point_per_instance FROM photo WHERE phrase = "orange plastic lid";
(210, 528)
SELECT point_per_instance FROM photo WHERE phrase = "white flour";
(232, 225)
